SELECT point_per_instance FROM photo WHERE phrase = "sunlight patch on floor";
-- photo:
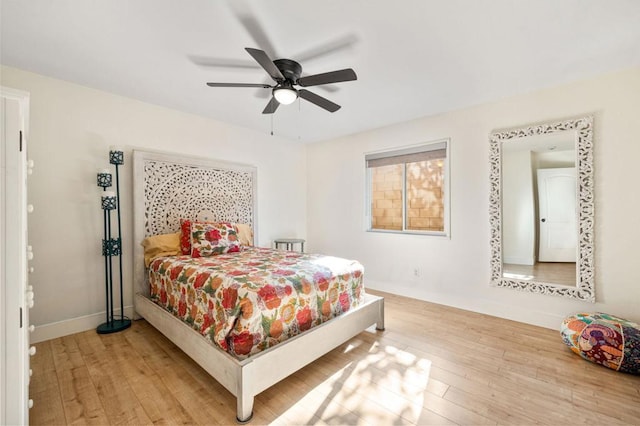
(385, 386)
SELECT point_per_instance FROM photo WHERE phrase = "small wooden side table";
(289, 243)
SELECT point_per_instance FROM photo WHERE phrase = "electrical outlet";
(416, 272)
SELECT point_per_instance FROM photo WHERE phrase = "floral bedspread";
(248, 301)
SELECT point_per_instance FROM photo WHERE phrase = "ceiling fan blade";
(271, 107)
(257, 33)
(209, 61)
(265, 62)
(346, 74)
(327, 48)
(242, 11)
(264, 86)
(318, 100)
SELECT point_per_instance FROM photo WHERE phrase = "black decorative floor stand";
(113, 326)
(112, 246)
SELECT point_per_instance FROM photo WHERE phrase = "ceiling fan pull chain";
(271, 124)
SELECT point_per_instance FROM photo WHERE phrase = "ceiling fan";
(286, 74)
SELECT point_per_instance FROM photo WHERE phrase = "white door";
(557, 215)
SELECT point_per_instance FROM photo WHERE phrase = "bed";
(327, 292)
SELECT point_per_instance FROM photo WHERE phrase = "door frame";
(14, 367)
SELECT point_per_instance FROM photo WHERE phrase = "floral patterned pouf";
(604, 339)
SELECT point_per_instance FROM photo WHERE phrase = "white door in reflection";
(557, 215)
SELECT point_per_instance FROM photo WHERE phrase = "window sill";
(426, 233)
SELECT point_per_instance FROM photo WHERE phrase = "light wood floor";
(550, 272)
(432, 365)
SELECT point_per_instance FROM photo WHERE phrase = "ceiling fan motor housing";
(290, 69)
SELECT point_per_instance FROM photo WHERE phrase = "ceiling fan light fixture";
(285, 95)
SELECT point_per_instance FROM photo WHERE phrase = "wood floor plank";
(44, 389)
(43, 359)
(432, 365)
(43, 367)
(284, 398)
(118, 398)
(159, 403)
(387, 365)
(80, 399)
(216, 395)
(394, 377)
(192, 397)
(66, 354)
(602, 406)
(218, 398)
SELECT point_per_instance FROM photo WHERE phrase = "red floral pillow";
(209, 239)
(185, 236)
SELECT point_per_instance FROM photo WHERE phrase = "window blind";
(407, 155)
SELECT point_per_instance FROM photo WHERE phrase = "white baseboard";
(73, 325)
(482, 306)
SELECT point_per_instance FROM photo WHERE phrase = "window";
(408, 189)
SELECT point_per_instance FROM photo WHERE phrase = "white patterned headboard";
(168, 187)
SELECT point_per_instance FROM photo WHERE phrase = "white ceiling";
(413, 57)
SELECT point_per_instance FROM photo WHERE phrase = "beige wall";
(455, 270)
(71, 130)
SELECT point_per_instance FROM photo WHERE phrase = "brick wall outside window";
(386, 208)
(425, 196)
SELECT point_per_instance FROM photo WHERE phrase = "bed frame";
(168, 187)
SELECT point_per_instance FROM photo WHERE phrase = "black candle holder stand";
(112, 247)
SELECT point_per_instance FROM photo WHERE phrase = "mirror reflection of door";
(557, 212)
(539, 228)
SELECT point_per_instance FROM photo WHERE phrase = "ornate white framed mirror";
(541, 208)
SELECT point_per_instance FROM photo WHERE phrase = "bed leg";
(380, 322)
(244, 409)
(244, 412)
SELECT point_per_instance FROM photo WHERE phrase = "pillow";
(185, 236)
(209, 239)
(161, 245)
(245, 234)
